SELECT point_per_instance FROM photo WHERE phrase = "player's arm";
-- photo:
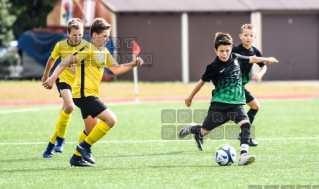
(206, 77)
(263, 68)
(270, 60)
(254, 59)
(54, 56)
(48, 68)
(198, 86)
(48, 84)
(118, 69)
(257, 76)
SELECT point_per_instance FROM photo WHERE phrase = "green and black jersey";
(246, 68)
(226, 76)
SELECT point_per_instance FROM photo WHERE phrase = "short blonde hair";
(247, 26)
(74, 23)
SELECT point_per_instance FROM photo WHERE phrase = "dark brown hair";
(222, 39)
(99, 25)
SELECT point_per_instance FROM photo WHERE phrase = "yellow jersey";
(90, 69)
(63, 49)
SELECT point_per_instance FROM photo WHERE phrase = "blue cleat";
(78, 161)
(59, 144)
(86, 153)
(48, 153)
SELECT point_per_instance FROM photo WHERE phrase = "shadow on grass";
(28, 160)
(155, 154)
(34, 170)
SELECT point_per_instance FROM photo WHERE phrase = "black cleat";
(80, 162)
(86, 153)
(199, 142)
(252, 142)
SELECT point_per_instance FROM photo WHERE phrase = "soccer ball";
(225, 155)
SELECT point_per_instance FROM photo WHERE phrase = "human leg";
(215, 117)
(241, 119)
(94, 107)
(77, 159)
(57, 139)
(64, 119)
(107, 121)
(254, 107)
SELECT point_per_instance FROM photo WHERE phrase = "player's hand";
(139, 61)
(44, 78)
(188, 102)
(73, 68)
(272, 60)
(48, 84)
(256, 77)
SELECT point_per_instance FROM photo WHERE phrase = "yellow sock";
(63, 121)
(99, 130)
(53, 137)
(82, 137)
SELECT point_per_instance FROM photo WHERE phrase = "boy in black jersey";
(247, 36)
(229, 97)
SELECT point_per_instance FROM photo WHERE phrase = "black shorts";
(90, 105)
(61, 86)
(217, 116)
(249, 97)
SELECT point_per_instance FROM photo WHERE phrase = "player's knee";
(111, 121)
(246, 122)
(69, 107)
(254, 105)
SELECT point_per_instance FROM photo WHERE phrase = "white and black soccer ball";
(225, 155)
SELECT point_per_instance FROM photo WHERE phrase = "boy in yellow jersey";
(64, 83)
(89, 74)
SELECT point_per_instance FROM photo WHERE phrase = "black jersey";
(226, 76)
(246, 68)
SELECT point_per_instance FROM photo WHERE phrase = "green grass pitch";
(134, 155)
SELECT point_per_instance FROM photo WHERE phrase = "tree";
(6, 22)
(30, 14)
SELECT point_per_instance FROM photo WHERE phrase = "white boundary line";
(157, 141)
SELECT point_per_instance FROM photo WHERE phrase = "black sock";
(245, 133)
(85, 144)
(245, 136)
(196, 130)
(251, 115)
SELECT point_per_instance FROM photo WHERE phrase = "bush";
(5, 63)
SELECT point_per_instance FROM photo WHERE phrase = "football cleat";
(80, 162)
(86, 153)
(246, 159)
(199, 142)
(59, 144)
(48, 153)
(186, 130)
(252, 142)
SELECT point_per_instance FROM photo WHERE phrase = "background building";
(176, 37)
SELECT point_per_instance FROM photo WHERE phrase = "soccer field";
(134, 154)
